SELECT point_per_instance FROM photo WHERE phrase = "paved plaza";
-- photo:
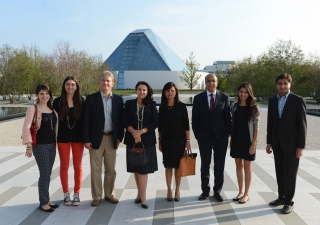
(19, 193)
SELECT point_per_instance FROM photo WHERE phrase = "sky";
(213, 29)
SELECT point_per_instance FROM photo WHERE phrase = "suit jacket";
(150, 121)
(93, 119)
(290, 130)
(203, 123)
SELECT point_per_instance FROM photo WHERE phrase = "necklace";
(50, 117)
(170, 107)
(140, 120)
(74, 122)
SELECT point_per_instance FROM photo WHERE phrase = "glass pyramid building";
(143, 50)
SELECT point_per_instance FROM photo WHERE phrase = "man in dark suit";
(286, 136)
(211, 123)
(102, 133)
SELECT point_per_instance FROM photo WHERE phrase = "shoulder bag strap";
(35, 115)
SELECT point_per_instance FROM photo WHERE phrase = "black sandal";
(54, 206)
(241, 201)
(46, 210)
(237, 198)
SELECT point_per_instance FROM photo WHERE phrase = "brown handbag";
(138, 150)
(33, 128)
(187, 164)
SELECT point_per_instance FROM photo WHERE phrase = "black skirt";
(172, 151)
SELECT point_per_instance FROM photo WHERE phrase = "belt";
(106, 133)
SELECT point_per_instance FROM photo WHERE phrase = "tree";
(36, 75)
(91, 67)
(21, 70)
(261, 71)
(313, 83)
(222, 80)
(11, 62)
(189, 74)
(6, 55)
(242, 71)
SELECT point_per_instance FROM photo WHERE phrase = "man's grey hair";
(205, 79)
(106, 73)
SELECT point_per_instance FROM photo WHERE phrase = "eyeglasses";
(211, 81)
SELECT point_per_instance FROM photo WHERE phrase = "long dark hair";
(44, 87)
(167, 86)
(148, 99)
(77, 101)
(251, 104)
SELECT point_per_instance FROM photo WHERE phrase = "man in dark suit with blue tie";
(211, 122)
(102, 133)
(286, 136)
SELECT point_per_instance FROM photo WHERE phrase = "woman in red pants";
(69, 107)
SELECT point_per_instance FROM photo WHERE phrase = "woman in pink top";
(44, 150)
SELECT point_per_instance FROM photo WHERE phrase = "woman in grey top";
(245, 124)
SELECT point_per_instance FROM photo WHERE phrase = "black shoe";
(218, 197)
(54, 206)
(169, 199)
(243, 201)
(203, 196)
(145, 206)
(287, 209)
(277, 202)
(177, 199)
(137, 201)
(46, 210)
(236, 199)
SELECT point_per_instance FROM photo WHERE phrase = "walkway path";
(19, 194)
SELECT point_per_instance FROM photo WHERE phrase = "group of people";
(99, 121)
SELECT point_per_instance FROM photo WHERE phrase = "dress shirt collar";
(286, 96)
(214, 93)
(104, 96)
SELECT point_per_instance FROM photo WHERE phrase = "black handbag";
(137, 156)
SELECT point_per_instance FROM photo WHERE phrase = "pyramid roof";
(142, 49)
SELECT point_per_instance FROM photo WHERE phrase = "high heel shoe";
(177, 199)
(137, 200)
(145, 206)
(169, 199)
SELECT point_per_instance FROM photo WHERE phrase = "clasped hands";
(137, 135)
